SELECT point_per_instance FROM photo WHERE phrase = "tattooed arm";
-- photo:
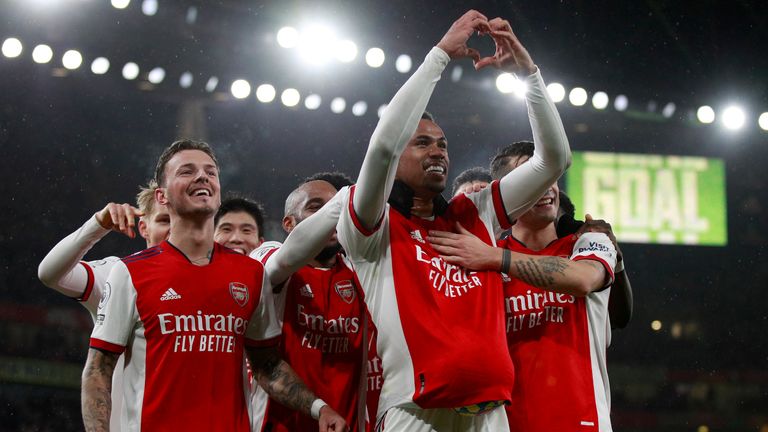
(97, 389)
(282, 384)
(561, 275)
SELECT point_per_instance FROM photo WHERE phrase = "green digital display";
(652, 198)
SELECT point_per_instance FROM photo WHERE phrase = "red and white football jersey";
(183, 328)
(440, 327)
(557, 343)
(322, 339)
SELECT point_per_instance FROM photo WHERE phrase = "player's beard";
(328, 252)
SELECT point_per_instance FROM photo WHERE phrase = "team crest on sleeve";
(105, 295)
(239, 293)
(346, 290)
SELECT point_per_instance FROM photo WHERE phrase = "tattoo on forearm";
(540, 272)
(280, 381)
(97, 389)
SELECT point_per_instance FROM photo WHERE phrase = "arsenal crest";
(346, 290)
(239, 293)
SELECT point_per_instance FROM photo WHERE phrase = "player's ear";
(143, 231)
(289, 223)
(160, 197)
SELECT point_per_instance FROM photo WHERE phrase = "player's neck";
(423, 207)
(194, 239)
(326, 263)
(534, 238)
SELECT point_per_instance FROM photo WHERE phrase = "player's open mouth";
(201, 192)
(435, 169)
(545, 201)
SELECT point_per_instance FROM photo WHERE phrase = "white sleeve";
(359, 242)
(306, 240)
(597, 247)
(98, 273)
(525, 185)
(264, 327)
(398, 123)
(116, 315)
(60, 270)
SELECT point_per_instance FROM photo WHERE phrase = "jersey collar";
(401, 199)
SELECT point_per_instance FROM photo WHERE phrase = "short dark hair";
(501, 159)
(426, 115)
(566, 205)
(471, 175)
(336, 178)
(238, 203)
(176, 147)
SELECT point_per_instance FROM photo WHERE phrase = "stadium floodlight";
(556, 92)
(359, 108)
(290, 97)
(211, 85)
(374, 57)
(149, 7)
(762, 121)
(72, 59)
(338, 105)
(508, 83)
(185, 80)
(380, 111)
(265, 93)
(345, 50)
(705, 114)
(656, 325)
(313, 101)
(403, 63)
(120, 4)
(12, 48)
(316, 45)
(288, 37)
(42, 54)
(100, 66)
(669, 110)
(621, 103)
(240, 89)
(130, 71)
(156, 75)
(733, 117)
(578, 96)
(600, 100)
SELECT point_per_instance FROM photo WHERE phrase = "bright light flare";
(577, 96)
(240, 89)
(130, 71)
(705, 114)
(733, 117)
(346, 51)
(556, 92)
(600, 100)
(149, 7)
(100, 66)
(403, 63)
(762, 121)
(72, 59)
(288, 37)
(338, 105)
(185, 80)
(265, 93)
(656, 325)
(156, 75)
(12, 48)
(316, 45)
(359, 108)
(375, 57)
(42, 54)
(313, 101)
(290, 97)
(120, 4)
(211, 85)
(621, 103)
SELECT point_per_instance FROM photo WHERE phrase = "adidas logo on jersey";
(306, 291)
(416, 235)
(170, 294)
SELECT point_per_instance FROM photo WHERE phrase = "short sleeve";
(358, 242)
(97, 273)
(490, 208)
(266, 250)
(597, 247)
(264, 328)
(116, 314)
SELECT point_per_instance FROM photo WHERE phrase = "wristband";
(317, 405)
(506, 260)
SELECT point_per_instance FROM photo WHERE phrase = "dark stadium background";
(70, 144)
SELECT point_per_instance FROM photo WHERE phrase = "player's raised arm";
(305, 241)
(521, 188)
(400, 119)
(59, 269)
(97, 389)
